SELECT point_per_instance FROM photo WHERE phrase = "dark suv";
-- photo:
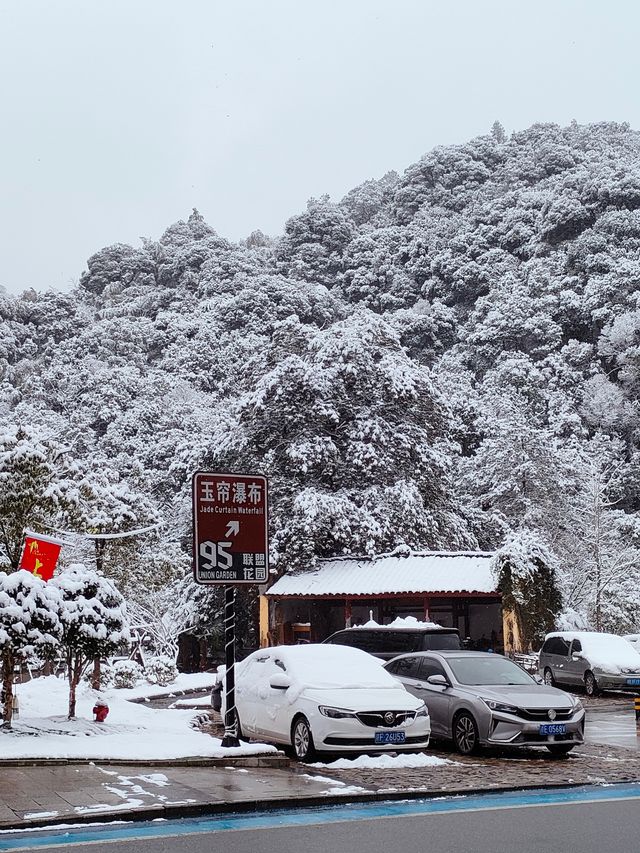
(386, 642)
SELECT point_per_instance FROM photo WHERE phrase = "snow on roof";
(410, 572)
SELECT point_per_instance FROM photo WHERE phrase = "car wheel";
(549, 680)
(590, 684)
(560, 749)
(302, 740)
(465, 734)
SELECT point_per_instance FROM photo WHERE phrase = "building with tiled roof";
(452, 588)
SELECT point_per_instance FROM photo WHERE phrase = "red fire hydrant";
(100, 709)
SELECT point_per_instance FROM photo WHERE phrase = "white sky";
(120, 116)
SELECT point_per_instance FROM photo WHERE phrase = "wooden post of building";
(427, 605)
(511, 631)
(347, 613)
(264, 621)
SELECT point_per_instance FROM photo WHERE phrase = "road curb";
(278, 759)
(170, 694)
(188, 810)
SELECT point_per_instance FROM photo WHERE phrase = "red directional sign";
(230, 535)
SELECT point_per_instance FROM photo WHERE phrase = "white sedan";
(315, 698)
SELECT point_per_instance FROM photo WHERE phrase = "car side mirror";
(438, 680)
(538, 679)
(280, 682)
(576, 656)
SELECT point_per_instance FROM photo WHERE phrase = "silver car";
(482, 699)
(590, 659)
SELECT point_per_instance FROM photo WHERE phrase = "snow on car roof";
(608, 651)
(322, 665)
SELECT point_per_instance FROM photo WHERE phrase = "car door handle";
(420, 687)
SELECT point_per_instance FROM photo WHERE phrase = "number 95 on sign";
(216, 562)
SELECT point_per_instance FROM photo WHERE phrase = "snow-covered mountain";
(448, 358)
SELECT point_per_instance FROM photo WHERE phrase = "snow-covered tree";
(93, 618)
(603, 562)
(156, 617)
(313, 243)
(112, 506)
(354, 437)
(37, 488)
(29, 625)
(526, 574)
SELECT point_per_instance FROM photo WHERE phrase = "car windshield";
(441, 641)
(487, 670)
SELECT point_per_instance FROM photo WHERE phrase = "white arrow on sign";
(233, 528)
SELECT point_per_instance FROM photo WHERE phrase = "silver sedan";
(481, 699)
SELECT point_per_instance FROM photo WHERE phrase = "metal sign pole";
(230, 547)
(230, 724)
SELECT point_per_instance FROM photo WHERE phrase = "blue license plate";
(553, 729)
(390, 737)
(633, 682)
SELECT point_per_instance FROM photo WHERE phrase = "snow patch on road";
(386, 762)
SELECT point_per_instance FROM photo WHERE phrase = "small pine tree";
(94, 621)
(498, 132)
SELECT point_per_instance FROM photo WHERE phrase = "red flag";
(40, 554)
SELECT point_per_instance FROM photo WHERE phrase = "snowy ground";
(131, 730)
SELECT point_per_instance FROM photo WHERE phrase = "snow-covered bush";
(106, 676)
(29, 625)
(160, 670)
(126, 673)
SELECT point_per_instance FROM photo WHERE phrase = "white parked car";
(320, 698)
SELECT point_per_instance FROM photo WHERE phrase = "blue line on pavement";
(316, 814)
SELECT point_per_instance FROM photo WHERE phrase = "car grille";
(542, 714)
(376, 719)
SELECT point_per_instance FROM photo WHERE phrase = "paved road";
(613, 724)
(571, 821)
(203, 696)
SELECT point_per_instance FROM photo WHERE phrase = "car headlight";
(422, 711)
(335, 713)
(502, 707)
(577, 704)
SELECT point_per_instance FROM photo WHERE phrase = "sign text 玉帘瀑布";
(230, 528)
